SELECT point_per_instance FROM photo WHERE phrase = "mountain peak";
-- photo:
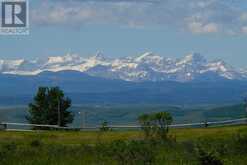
(146, 67)
(220, 65)
(193, 58)
(98, 56)
(71, 56)
(63, 59)
(147, 55)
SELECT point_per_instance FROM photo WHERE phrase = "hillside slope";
(82, 88)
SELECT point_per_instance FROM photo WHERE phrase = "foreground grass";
(92, 137)
(121, 147)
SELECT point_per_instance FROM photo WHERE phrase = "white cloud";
(88, 13)
(243, 16)
(244, 29)
(198, 27)
(197, 16)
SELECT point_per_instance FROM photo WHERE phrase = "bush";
(156, 125)
(240, 140)
(35, 143)
(104, 126)
(207, 157)
(9, 147)
(147, 126)
(6, 149)
(133, 152)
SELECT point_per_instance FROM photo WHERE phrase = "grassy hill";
(185, 146)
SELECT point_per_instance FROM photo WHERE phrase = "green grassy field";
(92, 137)
(228, 144)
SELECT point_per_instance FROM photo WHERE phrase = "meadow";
(222, 145)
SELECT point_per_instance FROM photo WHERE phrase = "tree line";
(50, 106)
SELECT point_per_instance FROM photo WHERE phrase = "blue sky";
(171, 28)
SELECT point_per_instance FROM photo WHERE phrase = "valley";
(128, 114)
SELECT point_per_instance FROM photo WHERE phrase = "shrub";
(156, 124)
(147, 126)
(163, 120)
(9, 146)
(207, 157)
(104, 126)
(6, 149)
(35, 143)
(240, 140)
(132, 152)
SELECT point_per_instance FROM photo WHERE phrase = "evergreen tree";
(50, 107)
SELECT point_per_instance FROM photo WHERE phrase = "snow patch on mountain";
(145, 67)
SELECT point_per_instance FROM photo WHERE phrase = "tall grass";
(224, 145)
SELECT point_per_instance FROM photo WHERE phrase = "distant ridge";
(145, 67)
(83, 88)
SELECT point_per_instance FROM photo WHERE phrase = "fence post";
(206, 124)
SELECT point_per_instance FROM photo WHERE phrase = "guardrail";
(6, 126)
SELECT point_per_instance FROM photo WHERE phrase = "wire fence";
(5, 126)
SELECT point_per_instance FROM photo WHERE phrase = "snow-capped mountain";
(146, 67)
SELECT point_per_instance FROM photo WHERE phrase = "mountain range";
(146, 67)
(145, 79)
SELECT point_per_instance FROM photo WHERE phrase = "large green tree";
(50, 106)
